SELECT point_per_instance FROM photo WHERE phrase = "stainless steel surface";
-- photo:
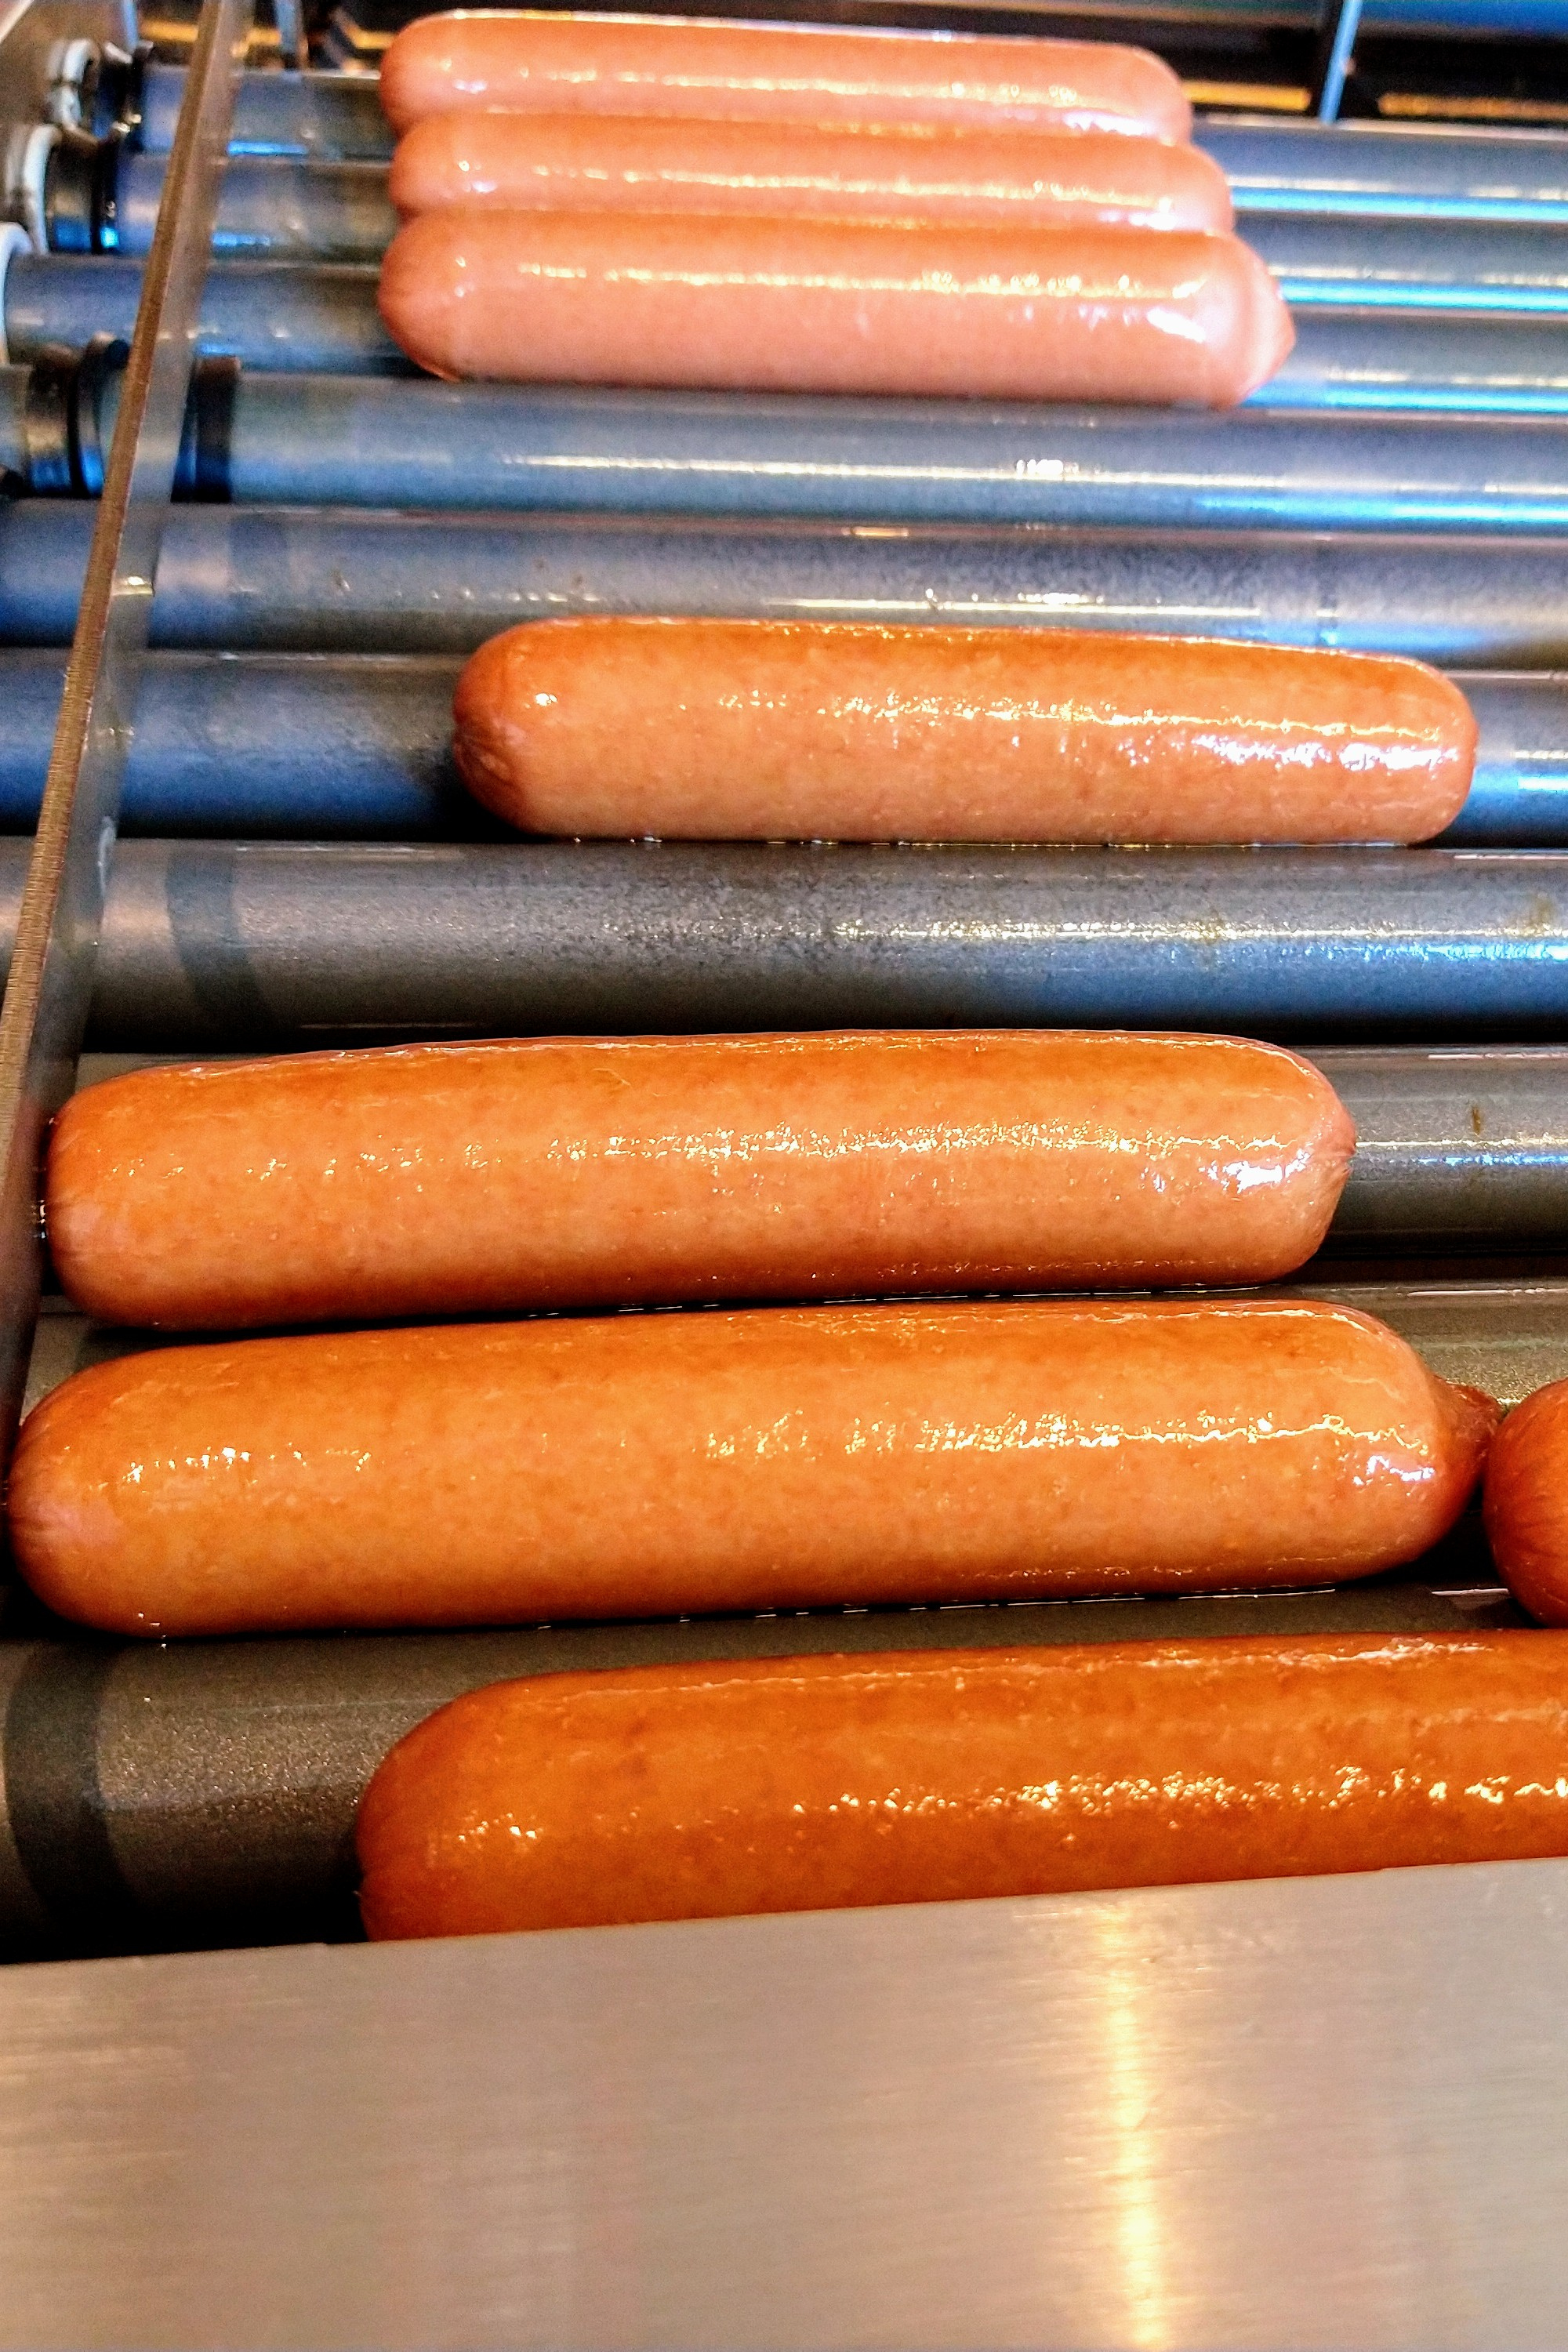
(383, 441)
(1297, 2114)
(333, 116)
(271, 208)
(1401, 362)
(1377, 169)
(167, 1794)
(48, 984)
(1455, 1146)
(1416, 265)
(233, 943)
(326, 581)
(267, 314)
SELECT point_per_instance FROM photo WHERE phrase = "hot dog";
(550, 62)
(758, 301)
(1527, 1503)
(768, 729)
(445, 1179)
(661, 1464)
(577, 163)
(797, 1784)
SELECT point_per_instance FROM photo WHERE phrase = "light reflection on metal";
(49, 985)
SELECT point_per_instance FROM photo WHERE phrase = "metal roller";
(322, 318)
(355, 745)
(204, 1792)
(486, 448)
(1375, 170)
(316, 116)
(336, 582)
(270, 315)
(219, 943)
(103, 197)
(1412, 265)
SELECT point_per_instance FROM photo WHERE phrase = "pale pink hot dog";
(550, 62)
(752, 301)
(566, 162)
(796, 729)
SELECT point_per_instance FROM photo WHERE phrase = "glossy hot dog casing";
(645, 163)
(716, 730)
(1527, 1503)
(664, 1464)
(769, 302)
(444, 1180)
(553, 62)
(797, 1784)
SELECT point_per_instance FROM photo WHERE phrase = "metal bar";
(1335, 56)
(1371, 169)
(271, 208)
(386, 441)
(359, 746)
(230, 944)
(268, 315)
(314, 581)
(49, 978)
(1413, 265)
(333, 117)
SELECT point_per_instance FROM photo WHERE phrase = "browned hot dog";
(442, 1180)
(1527, 1503)
(660, 1464)
(802, 731)
(793, 1784)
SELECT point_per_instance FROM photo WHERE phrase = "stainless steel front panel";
(1306, 2113)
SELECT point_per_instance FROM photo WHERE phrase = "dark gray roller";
(338, 746)
(279, 579)
(317, 116)
(268, 315)
(1456, 1147)
(270, 209)
(206, 1791)
(1414, 265)
(1372, 170)
(378, 441)
(226, 944)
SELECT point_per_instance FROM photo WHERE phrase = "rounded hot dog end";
(552, 61)
(716, 730)
(668, 1465)
(1526, 1502)
(587, 1799)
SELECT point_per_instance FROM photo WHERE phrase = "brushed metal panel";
(1306, 2113)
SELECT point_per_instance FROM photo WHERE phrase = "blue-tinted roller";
(384, 441)
(269, 208)
(237, 943)
(320, 580)
(268, 315)
(1408, 362)
(1378, 170)
(345, 746)
(328, 117)
(1413, 265)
